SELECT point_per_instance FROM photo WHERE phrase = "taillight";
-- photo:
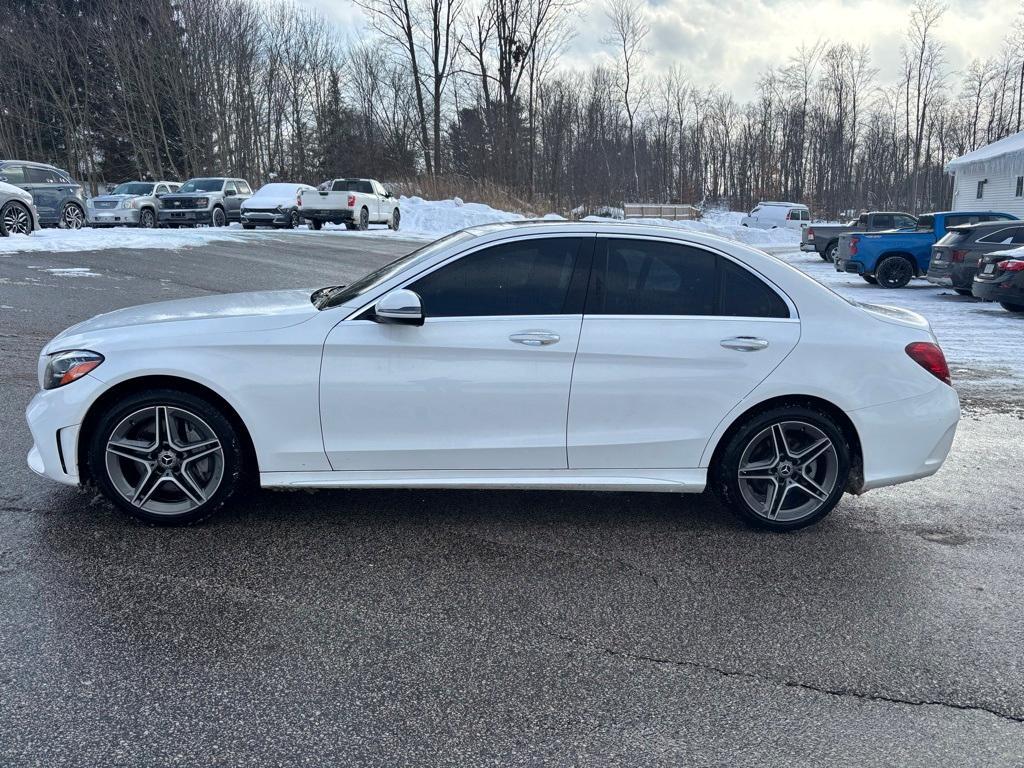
(929, 356)
(810, 233)
(853, 245)
(958, 256)
(351, 201)
(1012, 265)
(298, 199)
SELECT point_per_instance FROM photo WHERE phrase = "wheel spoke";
(163, 427)
(188, 486)
(773, 502)
(809, 486)
(808, 455)
(779, 439)
(144, 490)
(130, 449)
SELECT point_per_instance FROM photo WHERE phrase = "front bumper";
(914, 449)
(188, 216)
(111, 217)
(266, 218)
(54, 418)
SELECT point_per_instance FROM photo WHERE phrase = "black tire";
(395, 221)
(316, 224)
(350, 226)
(894, 272)
(870, 279)
(15, 219)
(364, 220)
(147, 219)
(72, 216)
(248, 226)
(963, 291)
(218, 218)
(231, 459)
(293, 220)
(831, 251)
(1010, 307)
(799, 420)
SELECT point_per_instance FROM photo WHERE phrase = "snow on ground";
(88, 239)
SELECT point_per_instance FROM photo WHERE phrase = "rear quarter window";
(743, 294)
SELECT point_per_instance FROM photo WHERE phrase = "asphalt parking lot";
(490, 628)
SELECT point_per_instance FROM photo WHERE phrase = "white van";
(773, 215)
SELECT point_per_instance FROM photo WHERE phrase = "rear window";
(352, 185)
(953, 237)
(926, 224)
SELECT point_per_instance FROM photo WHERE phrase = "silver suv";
(215, 201)
(133, 203)
(59, 200)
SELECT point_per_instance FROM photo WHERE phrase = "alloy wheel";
(164, 460)
(73, 217)
(364, 219)
(16, 220)
(218, 218)
(396, 220)
(788, 471)
(147, 219)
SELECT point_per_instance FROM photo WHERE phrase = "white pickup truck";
(356, 203)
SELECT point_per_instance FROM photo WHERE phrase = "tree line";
(470, 95)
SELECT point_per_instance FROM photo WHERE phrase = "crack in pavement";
(839, 692)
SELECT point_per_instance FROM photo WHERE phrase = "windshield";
(345, 293)
(202, 185)
(133, 188)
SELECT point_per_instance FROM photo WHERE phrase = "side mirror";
(229, 193)
(402, 306)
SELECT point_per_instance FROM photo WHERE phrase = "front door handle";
(535, 338)
(745, 343)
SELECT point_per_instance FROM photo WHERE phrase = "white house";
(990, 178)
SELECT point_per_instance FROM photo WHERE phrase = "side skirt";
(656, 480)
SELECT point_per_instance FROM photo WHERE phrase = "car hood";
(117, 197)
(269, 201)
(172, 195)
(232, 312)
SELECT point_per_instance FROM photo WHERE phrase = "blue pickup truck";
(891, 259)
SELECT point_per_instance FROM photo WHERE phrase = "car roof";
(775, 202)
(998, 224)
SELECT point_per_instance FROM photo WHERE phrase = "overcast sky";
(729, 42)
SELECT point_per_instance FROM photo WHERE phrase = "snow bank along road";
(447, 628)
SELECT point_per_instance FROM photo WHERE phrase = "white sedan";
(539, 355)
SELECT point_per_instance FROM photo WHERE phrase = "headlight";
(64, 367)
(129, 203)
(202, 202)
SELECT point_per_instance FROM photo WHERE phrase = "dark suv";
(59, 200)
(956, 256)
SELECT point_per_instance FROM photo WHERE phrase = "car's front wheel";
(784, 468)
(396, 220)
(166, 457)
(147, 219)
(219, 218)
(15, 219)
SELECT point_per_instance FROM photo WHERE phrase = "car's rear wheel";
(783, 469)
(219, 218)
(831, 252)
(1009, 307)
(894, 272)
(166, 457)
(72, 216)
(15, 219)
(870, 279)
(364, 219)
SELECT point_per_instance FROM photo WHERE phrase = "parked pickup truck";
(356, 203)
(823, 239)
(891, 259)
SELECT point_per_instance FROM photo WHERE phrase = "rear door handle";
(535, 338)
(744, 343)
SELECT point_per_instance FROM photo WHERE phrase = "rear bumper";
(341, 216)
(943, 280)
(1003, 288)
(809, 247)
(854, 267)
(917, 447)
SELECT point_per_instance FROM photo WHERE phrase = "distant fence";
(673, 212)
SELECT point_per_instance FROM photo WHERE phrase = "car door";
(231, 201)
(47, 191)
(483, 384)
(673, 338)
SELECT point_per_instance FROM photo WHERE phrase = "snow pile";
(440, 217)
(726, 224)
(88, 239)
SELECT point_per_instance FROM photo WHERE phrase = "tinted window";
(243, 188)
(957, 221)
(744, 295)
(927, 224)
(202, 185)
(525, 278)
(1002, 235)
(903, 222)
(15, 174)
(230, 187)
(644, 277)
(953, 237)
(35, 175)
(883, 221)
